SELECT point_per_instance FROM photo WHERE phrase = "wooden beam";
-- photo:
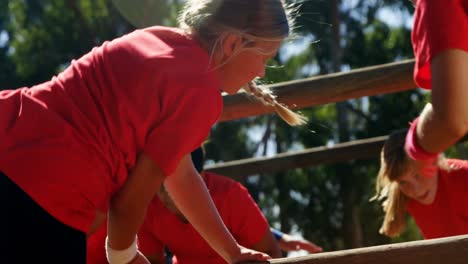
(381, 79)
(449, 250)
(353, 150)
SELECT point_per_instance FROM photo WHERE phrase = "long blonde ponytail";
(267, 98)
(393, 163)
(394, 206)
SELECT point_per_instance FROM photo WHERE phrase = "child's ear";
(230, 44)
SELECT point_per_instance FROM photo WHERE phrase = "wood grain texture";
(353, 150)
(331, 88)
(450, 250)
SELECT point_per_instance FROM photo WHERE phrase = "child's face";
(417, 187)
(247, 65)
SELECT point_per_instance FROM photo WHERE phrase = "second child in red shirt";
(434, 202)
(165, 226)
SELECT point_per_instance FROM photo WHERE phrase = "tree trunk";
(351, 225)
(283, 195)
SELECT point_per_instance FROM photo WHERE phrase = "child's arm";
(268, 244)
(128, 206)
(443, 124)
(191, 197)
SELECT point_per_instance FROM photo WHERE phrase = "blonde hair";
(265, 96)
(394, 162)
(211, 21)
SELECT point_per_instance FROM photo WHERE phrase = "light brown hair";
(211, 21)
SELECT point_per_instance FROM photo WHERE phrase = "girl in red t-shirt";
(433, 200)
(440, 43)
(100, 138)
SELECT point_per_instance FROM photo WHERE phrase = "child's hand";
(140, 259)
(290, 243)
(249, 255)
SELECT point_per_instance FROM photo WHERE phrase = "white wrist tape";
(121, 256)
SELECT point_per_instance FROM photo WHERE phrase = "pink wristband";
(412, 147)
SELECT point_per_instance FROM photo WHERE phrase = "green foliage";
(374, 39)
(44, 36)
(145, 13)
(7, 67)
(229, 141)
(411, 232)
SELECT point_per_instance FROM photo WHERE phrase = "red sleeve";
(244, 219)
(438, 25)
(188, 110)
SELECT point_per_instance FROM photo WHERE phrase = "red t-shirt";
(448, 214)
(69, 142)
(238, 210)
(438, 25)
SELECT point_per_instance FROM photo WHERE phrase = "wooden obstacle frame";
(333, 88)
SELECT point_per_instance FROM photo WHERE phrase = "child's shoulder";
(457, 165)
(456, 175)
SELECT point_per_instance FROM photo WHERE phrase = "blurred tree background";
(326, 204)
